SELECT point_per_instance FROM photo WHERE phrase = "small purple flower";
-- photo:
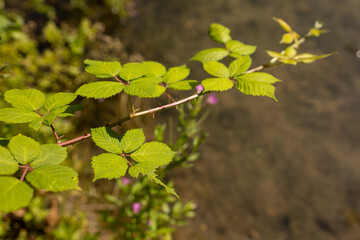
(125, 181)
(212, 99)
(199, 88)
(136, 207)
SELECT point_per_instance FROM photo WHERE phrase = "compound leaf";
(49, 154)
(108, 165)
(219, 33)
(155, 153)
(209, 55)
(239, 66)
(131, 71)
(107, 139)
(257, 84)
(217, 84)
(101, 89)
(14, 194)
(183, 85)
(155, 69)
(140, 89)
(102, 69)
(7, 163)
(175, 74)
(17, 115)
(24, 149)
(238, 48)
(59, 100)
(30, 99)
(132, 140)
(53, 178)
(216, 69)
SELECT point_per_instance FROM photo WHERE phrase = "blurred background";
(268, 170)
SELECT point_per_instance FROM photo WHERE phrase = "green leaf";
(257, 84)
(155, 69)
(175, 74)
(30, 99)
(210, 55)
(68, 110)
(159, 90)
(239, 66)
(217, 84)
(101, 89)
(144, 168)
(168, 189)
(132, 140)
(49, 154)
(131, 71)
(238, 48)
(275, 54)
(24, 149)
(108, 165)
(140, 89)
(155, 153)
(59, 100)
(106, 139)
(102, 69)
(17, 115)
(151, 80)
(7, 163)
(183, 85)
(14, 194)
(216, 69)
(219, 33)
(53, 178)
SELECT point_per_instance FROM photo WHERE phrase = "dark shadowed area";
(269, 170)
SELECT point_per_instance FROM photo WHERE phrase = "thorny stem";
(149, 111)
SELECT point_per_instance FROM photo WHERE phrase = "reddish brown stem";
(54, 132)
(123, 155)
(26, 169)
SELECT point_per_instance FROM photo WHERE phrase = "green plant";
(130, 154)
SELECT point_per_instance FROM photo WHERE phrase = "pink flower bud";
(136, 207)
(199, 88)
(125, 181)
(212, 99)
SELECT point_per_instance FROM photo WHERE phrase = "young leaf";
(238, 48)
(102, 69)
(14, 194)
(30, 99)
(217, 84)
(183, 85)
(24, 149)
(155, 69)
(219, 33)
(132, 140)
(58, 100)
(257, 84)
(49, 154)
(101, 89)
(309, 58)
(7, 163)
(283, 24)
(239, 66)
(131, 71)
(53, 178)
(36, 125)
(216, 69)
(67, 110)
(210, 55)
(108, 165)
(107, 139)
(175, 74)
(155, 153)
(17, 115)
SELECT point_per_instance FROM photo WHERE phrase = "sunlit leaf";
(14, 194)
(7, 163)
(219, 33)
(102, 69)
(30, 99)
(101, 89)
(217, 84)
(108, 165)
(212, 54)
(24, 149)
